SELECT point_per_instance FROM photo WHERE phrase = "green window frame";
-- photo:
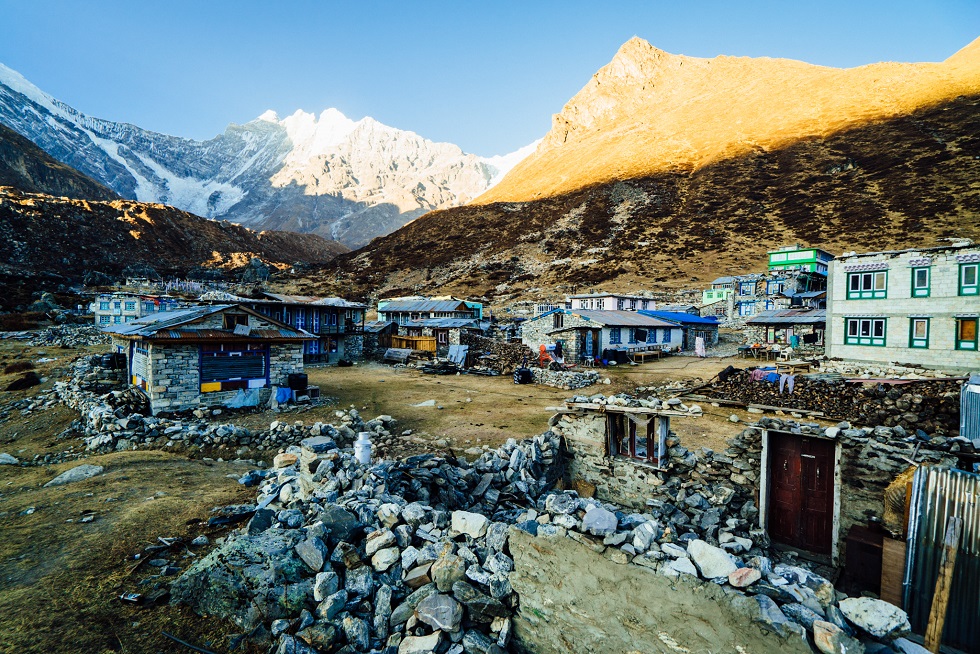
(966, 334)
(919, 333)
(866, 331)
(921, 281)
(867, 285)
(969, 279)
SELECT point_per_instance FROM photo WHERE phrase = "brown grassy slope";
(27, 167)
(902, 182)
(51, 241)
(649, 111)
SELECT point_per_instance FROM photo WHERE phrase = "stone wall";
(574, 599)
(175, 377)
(353, 347)
(284, 360)
(565, 379)
(931, 406)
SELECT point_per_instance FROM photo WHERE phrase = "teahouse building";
(205, 356)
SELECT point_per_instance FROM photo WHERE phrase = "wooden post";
(944, 582)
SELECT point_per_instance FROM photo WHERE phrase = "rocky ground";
(102, 506)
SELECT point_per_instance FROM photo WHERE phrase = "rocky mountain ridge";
(649, 111)
(328, 175)
(27, 167)
(602, 205)
(51, 242)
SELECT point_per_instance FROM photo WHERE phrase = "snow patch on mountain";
(503, 163)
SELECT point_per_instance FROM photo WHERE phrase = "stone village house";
(204, 356)
(815, 490)
(588, 333)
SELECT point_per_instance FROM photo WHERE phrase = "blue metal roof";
(679, 317)
(424, 306)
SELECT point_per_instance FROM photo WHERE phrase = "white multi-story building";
(117, 308)
(609, 302)
(919, 307)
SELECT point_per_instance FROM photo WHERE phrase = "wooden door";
(784, 488)
(801, 491)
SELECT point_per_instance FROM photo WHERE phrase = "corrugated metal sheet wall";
(938, 494)
(970, 409)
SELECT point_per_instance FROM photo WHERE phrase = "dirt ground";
(60, 578)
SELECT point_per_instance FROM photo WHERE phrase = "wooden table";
(756, 352)
(793, 366)
(641, 355)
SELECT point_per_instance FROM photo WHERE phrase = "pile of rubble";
(929, 406)
(400, 556)
(565, 379)
(70, 336)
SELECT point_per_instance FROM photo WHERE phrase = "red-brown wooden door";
(801, 491)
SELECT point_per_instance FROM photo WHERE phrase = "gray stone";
(8, 460)
(482, 608)
(421, 644)
(401, 613)
(357, 632)
(475, 642)
(711, 561)
(473, 525)
(497, 536)
(682, 565)
(382, 611)
(313, 552)
(801, 614)
(447, 571)
(318, 444)
(360, 581)
(644, 535)
(440, 611)
(906, 646)
(332, 605)
(384, 559)
(326, 584)
(341, 522)
(877, 617)
(388, 514)
(378, 540)
(78, 473)
(600, 522)
(561, 503)
(290, 645)
(672, 550)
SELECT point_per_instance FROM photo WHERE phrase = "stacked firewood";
(504, 356)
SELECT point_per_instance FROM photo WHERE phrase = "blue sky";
(484, 75)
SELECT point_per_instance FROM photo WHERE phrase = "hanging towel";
(699, 346)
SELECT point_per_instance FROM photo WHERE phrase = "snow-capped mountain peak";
(326, 174)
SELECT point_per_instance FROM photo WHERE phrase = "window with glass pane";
(865, 331)
(867, 285)
(919, 332)
(920, 282)
(969, 279)
(966, 333)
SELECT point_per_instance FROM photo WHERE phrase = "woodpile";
(932, 406)
(504, 356)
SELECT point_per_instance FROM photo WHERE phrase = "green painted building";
(795, 257)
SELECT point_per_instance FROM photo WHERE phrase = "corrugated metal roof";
(168, 325)
(443, 323)
(620, 318)
(724, 280)
(683, 318)
(375, 326)
(424, 306)
(164, 320)
(790, 317)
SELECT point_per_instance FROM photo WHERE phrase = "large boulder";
(78, 473)
(877, 617)
(600, 522)
(471, 524)
(246, 580)
(440, 611)
(831, 639)
(711, 561)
